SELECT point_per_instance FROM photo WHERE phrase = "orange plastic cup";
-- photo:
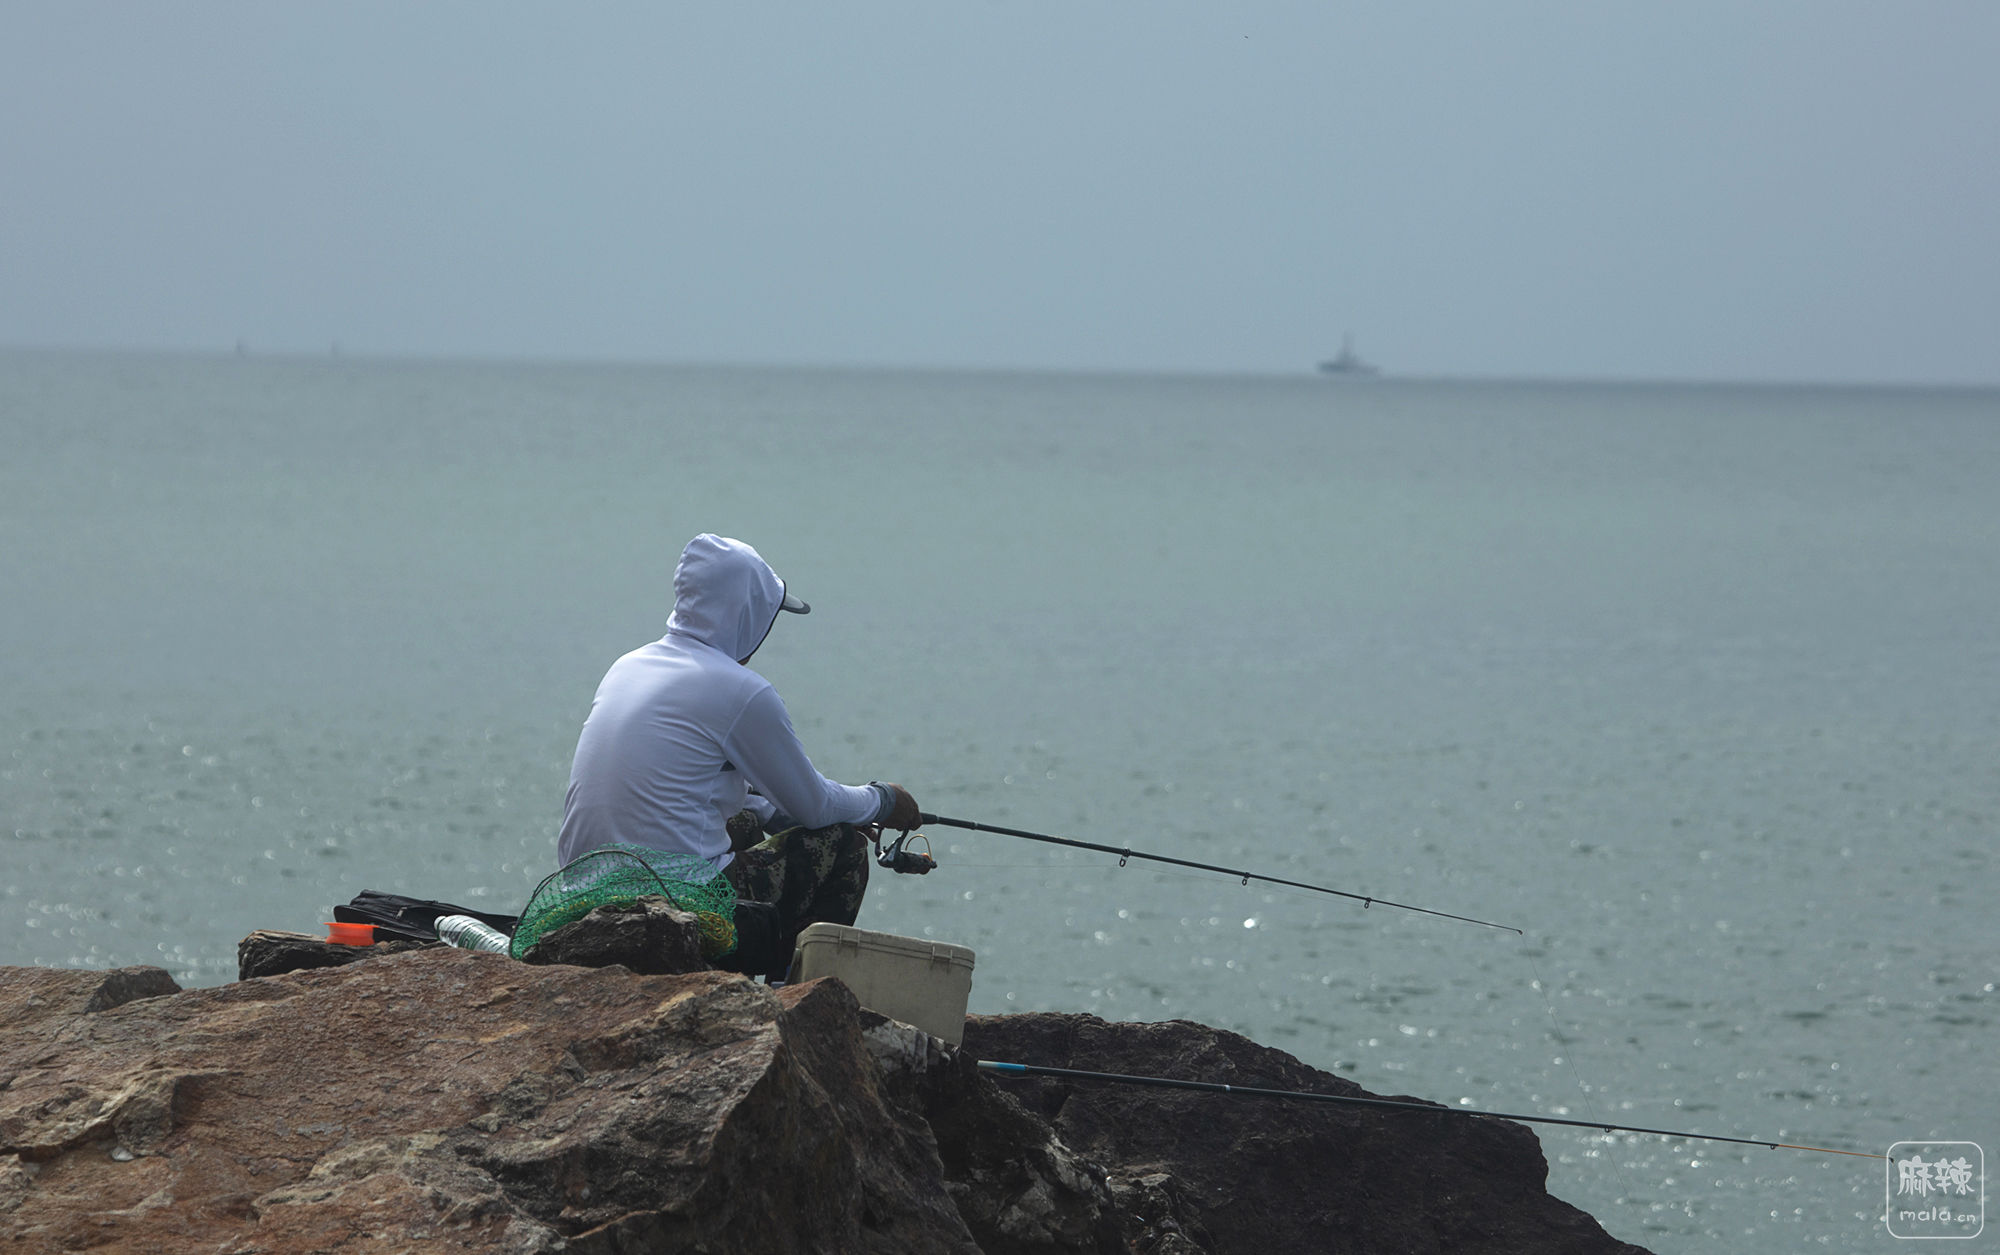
(351, 934)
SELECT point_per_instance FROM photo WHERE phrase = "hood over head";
(726, 596)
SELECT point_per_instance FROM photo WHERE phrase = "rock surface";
(450, 1100)
(32, 996)
(1237, 1174)
(441, 1100)
(648, 935)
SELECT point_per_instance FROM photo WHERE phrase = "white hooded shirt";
(680, 729)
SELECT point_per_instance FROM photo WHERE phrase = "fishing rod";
(1031, 1069)
(1366, 900)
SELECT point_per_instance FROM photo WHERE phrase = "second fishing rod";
(1126, 853)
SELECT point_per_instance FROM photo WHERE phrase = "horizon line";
(1307, 371)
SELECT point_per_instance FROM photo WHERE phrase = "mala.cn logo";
(1936, 1190)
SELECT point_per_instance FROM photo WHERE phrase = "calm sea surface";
(1700, 686)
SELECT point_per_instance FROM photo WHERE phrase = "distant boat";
(1348, 364)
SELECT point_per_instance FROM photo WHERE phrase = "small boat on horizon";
(1348, 364)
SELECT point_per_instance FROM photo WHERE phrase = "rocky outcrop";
(457, 1101)
(33, 996)
(1251, 1175)
(648, 935)
(440, 1100)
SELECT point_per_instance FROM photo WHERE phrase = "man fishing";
(688, 750)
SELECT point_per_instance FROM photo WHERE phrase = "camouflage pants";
(813, 876)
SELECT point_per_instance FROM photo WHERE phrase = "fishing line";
(1032, 1069)
(1555, 1028)
(1569, 1057)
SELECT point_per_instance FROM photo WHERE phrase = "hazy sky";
(1728, 190)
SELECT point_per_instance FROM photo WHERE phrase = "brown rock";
(1018, 1187)
(648, 935)
(31, 995)
(444, 1100)
(1235, 1174)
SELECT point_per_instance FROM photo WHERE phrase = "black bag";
(411, 919)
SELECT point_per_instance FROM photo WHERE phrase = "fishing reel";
(897, 857)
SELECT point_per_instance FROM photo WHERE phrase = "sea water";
(1698, 686)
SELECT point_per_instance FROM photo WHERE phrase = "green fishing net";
(622, 873)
